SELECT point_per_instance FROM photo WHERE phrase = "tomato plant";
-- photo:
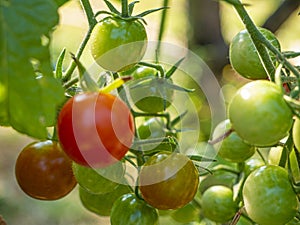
(130, 210)
(118, 44)
(104, 120)
(244, 57)
(217, 203)
(260, 103)
(43, 171)
(168, 180)
(101, 130)
(264, 187)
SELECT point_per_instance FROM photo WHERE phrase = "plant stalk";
(125, 8)
(92, 22)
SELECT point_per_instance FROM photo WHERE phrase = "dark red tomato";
(43, 171)
(95, 129)
(168, 180)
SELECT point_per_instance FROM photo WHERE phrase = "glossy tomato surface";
(118, 44)
(244, 57)
(130, 210)
(168, 180)
(218, 204)
(95, 129)
(269, 197)
(43, 171)
(259, 114)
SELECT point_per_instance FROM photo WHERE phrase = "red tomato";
(95, 129)
(43, 171)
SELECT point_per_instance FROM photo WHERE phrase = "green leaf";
(59, 64)
(111, 7)
(29, 94)
(150, 11)
(173, 69)
(131, 7)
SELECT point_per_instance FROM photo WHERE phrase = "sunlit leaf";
(29, 94)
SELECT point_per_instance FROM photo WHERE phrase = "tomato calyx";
(127, 11)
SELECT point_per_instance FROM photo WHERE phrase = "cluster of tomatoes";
(97, 136)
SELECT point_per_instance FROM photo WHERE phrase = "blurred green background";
(18, 209)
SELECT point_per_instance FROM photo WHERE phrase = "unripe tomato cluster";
(97, 136)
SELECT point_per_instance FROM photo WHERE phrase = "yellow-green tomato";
(232, 147)
(259, 114)
(118, 44)
(218, 204)
(269, 197)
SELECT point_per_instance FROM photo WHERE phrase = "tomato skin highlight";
(168, 180)
(44, 172)
(95, 129)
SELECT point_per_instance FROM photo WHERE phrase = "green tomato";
(259, 114)
(269, 197)
(155, 128)
(244, 57)
(100, 180)
(231, 148)
(101, 204)
(130, 210)
(187, 214)
(118, 44)
(219, 177)
(296, 133)
(168, 180)
(148, 92)
(217, 204)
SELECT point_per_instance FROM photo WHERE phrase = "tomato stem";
(125, 11)
(92, 22)
(222, 137)
(161, 28)
(115, 84)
